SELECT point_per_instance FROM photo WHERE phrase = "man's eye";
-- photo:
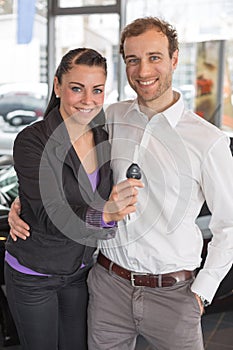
(132, 61)
(154, 58)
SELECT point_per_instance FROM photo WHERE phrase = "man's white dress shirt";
(184, 161)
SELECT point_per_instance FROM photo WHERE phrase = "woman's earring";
(57, 96)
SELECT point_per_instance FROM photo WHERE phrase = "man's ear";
(175, 56)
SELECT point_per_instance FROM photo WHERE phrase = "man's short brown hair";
(141, 25)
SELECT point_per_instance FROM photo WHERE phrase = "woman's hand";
(122, 200)
(18, 228)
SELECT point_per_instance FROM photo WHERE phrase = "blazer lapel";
(66, 154)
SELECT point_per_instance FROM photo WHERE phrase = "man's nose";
(144, 68)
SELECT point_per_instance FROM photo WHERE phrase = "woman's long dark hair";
(86, 56)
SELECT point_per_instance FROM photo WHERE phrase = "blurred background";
(34, 35)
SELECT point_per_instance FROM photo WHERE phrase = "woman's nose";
(87, 98)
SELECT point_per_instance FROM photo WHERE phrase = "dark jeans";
(50, 313)
(9, 332)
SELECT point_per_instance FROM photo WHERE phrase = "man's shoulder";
(118, 109)
(203, 125)
(201, 132)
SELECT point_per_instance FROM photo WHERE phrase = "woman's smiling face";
(81, 92)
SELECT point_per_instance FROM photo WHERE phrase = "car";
(9, 132)
(8, 191)
(25, 102)
(22, 97)
(7, 138)
(21, 117)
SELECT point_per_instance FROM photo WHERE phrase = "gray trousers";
(168, 318)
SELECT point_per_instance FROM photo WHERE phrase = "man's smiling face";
(149, 67)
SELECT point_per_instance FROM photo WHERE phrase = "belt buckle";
(132, 279)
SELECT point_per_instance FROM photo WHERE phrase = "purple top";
(13, 262)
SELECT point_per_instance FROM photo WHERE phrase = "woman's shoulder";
(30, 132)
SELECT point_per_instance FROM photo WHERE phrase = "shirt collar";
(132, 106)
(172, 114)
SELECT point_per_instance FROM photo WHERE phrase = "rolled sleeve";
(218, 190)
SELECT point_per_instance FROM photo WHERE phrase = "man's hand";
(202, 309)
(18, 228)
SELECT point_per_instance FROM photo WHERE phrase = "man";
(144, 281)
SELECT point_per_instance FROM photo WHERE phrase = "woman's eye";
(76, 89)
(98, 91)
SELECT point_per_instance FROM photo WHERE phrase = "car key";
(134, 171)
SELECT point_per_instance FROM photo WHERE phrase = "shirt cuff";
(107, 224)
(205, 285)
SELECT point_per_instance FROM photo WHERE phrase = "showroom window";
(24, 66)
(88, 23)
(81, 3)
(33, 47)
(98, 31)
(23, 40)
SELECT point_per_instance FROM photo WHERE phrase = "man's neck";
(158, 105)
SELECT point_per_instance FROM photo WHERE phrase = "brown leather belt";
(145, 280)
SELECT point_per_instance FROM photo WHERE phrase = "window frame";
(55, 10)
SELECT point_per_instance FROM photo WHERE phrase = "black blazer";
(56, 196)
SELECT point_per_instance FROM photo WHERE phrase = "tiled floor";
(217, 327)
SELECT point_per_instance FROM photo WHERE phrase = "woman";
(62, 164)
